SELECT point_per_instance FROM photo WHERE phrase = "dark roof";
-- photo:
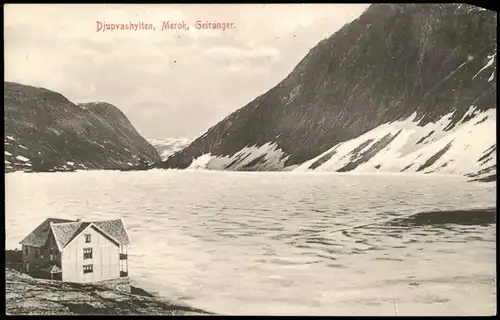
(66, 230)
(52, 269)
(114, 228)
(39, 236)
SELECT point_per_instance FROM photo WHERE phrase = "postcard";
(250, 159)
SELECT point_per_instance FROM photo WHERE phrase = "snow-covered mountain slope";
(411, 66)
(168, 146)
(467, 148)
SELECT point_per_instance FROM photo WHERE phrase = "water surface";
(283, 243)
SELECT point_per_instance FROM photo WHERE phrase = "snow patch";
(71, 163)
(266, 157)
(201, 162)
(492, 76)
(489, 64)
(55, 131)
(7, 153)
(21, 158)
(22, 147)
(470, 112)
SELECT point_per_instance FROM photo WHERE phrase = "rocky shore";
(30, 296)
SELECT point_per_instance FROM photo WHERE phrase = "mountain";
(405, 87)
(44, 131)
(168, 146)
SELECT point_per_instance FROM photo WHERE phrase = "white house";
(77, 251)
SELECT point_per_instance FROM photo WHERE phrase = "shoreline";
(470, 179)
(26, 295)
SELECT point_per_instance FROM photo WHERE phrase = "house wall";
(32, 262)
(28, 258)
(44, 258)
(50, 251)
(105, 258)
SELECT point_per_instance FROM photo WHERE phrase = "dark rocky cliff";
(394, 60)
(44, 131)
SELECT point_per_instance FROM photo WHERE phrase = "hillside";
(405, 87)
(44, 131)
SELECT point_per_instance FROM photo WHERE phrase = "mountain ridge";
(393, 61)
(44, 131)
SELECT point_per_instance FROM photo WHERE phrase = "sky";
(169, 83)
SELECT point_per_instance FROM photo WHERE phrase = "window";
(25, 250)
(87, 253)
(88, 238)
(53, 254)
(37, 252)
(88, 268)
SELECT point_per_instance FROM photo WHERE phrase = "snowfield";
(168, 146)
(413, 147)
(465, 148)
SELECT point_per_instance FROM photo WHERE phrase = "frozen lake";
(282, 243)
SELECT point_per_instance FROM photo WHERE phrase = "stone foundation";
(119, 284)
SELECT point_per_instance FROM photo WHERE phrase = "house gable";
(97, 229)
(101, 255)
(65, 232)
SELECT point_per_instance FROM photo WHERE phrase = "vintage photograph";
(250, 159)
